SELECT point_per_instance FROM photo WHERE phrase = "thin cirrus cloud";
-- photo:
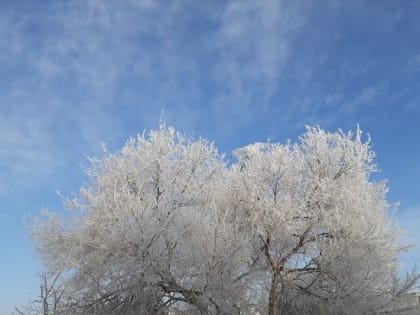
(88, 71)
(81, 62)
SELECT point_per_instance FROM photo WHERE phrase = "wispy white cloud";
(38, 113)
(366, 97)
(75, 60)
(25, 155)
(72, 71)
(254, 41)
(91, 70)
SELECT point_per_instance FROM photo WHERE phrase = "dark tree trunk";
(272, 298)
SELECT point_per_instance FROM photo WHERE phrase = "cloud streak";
(78, 65)
(87, 71)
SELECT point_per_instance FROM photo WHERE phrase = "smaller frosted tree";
(167, 225)
(323, 226)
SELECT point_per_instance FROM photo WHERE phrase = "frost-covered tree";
(324, 226)
(167, 225)
(147, 234)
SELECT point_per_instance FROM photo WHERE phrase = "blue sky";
(76, 73)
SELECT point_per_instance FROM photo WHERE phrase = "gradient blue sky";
(76, 73)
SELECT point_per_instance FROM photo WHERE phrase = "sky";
(75, 74)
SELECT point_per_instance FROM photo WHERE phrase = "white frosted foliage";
(168, 225)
